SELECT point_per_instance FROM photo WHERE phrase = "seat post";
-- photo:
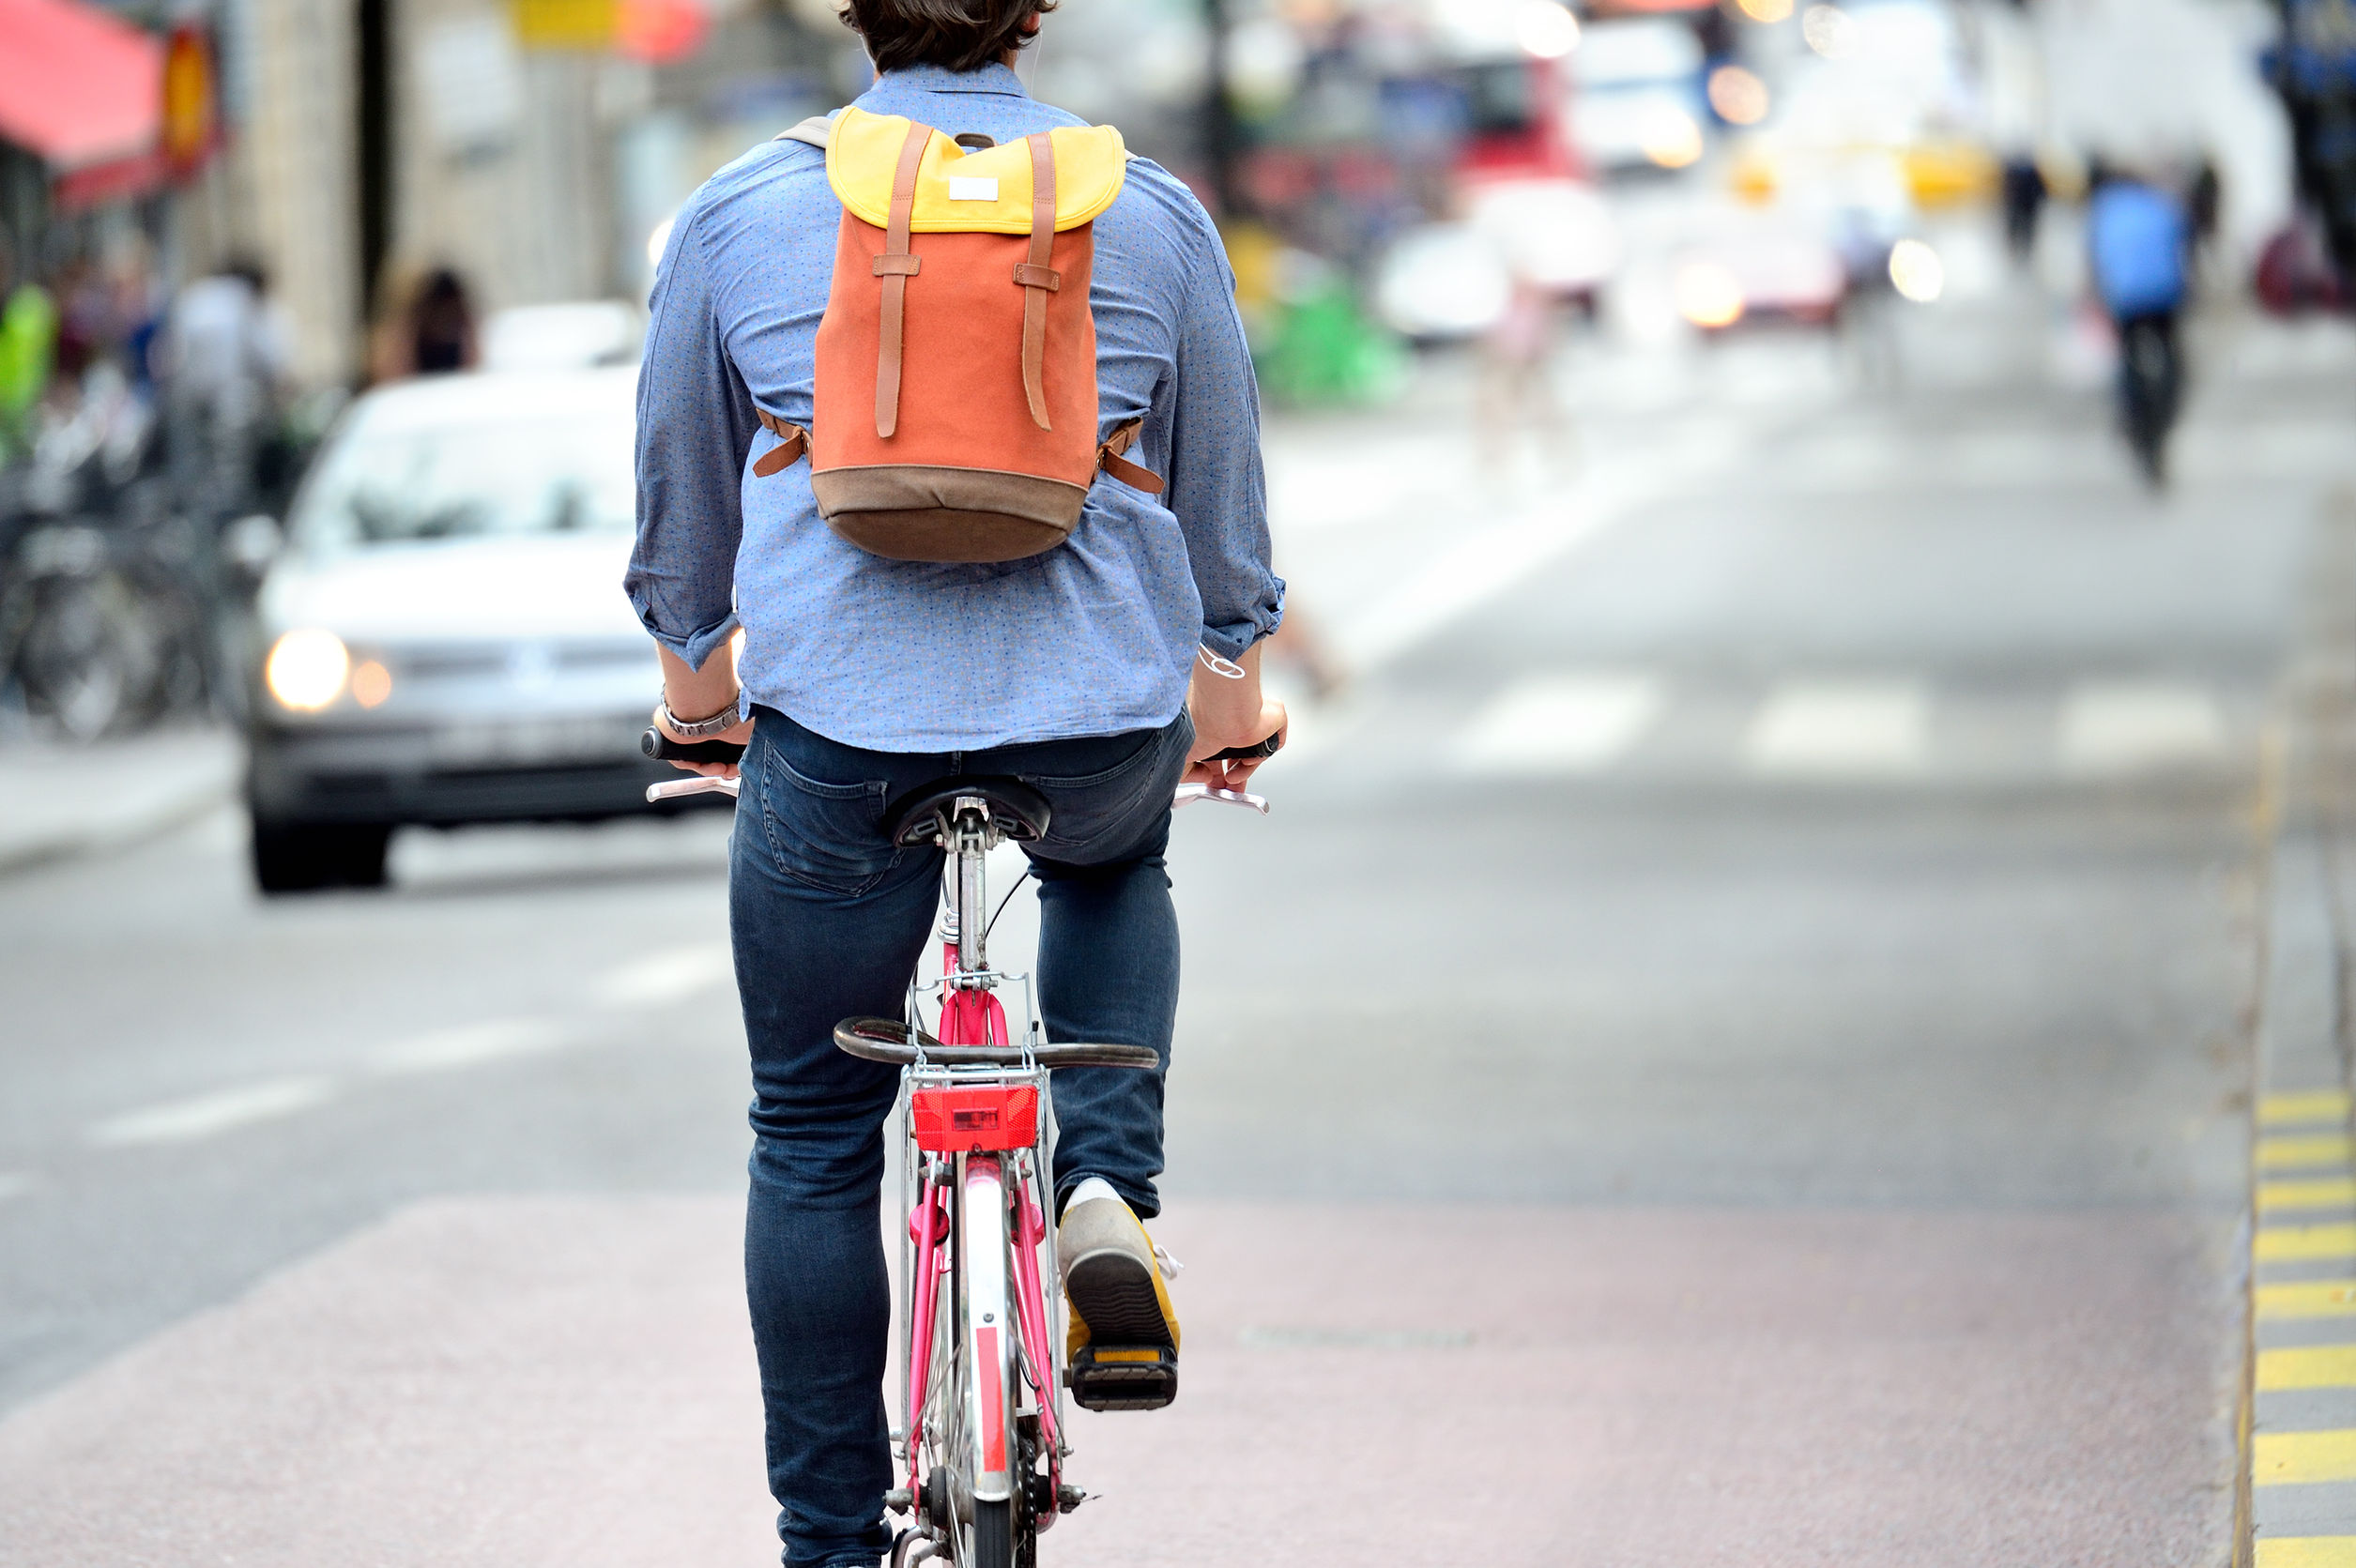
(971, 844)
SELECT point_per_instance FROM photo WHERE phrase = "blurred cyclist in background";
(2140, 241)
(224, 363)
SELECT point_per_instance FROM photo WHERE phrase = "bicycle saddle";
(922, 816)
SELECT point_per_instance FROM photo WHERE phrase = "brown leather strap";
(1109, 458)
(792, 441)
(1037, 279)
(895, 266)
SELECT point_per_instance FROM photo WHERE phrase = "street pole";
(1220, 141)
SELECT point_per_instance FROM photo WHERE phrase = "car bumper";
(574, 769)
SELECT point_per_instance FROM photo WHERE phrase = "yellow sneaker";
(1124, 1339)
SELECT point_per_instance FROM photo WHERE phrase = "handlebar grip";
(1267, 748)
(661, 748)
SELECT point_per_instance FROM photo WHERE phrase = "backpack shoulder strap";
(814, 130)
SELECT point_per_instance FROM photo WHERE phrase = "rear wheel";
(994, 1535)
(292, 857)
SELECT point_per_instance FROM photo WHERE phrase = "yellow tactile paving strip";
(2325, 1297)
(2306, 1164)
(2306, 1551)
(2300, 1151)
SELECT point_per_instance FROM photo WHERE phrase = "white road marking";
(1840, 730)
(205, 1115)
(1487, 561)
(2119, 727)
(465, 1045)
(1579, 723)
(662, 977)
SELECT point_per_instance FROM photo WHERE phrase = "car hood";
(462, 589)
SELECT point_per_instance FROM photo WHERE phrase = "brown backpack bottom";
(913, 512)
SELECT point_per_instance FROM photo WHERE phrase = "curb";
(2296, 1502)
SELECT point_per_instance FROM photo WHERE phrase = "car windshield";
(484, 479)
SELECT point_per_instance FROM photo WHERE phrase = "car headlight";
(307, 669)
(1916, 272)
(1709, 295)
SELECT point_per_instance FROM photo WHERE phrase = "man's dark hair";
(958, 34)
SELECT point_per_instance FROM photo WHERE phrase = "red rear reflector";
(976, 1117)
(993, 1403)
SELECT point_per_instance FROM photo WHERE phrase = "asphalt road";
(1737, 1013)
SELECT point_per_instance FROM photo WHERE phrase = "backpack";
(954, 417)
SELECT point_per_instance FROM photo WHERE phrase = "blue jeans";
(828, 919)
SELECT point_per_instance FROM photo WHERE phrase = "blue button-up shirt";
(1092, 638)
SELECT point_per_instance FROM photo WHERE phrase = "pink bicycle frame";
(972, 1015)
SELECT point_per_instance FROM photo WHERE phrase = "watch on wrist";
(701, 729)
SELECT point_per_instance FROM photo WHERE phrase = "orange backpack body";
(956, 402)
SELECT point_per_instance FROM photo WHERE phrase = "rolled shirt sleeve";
(695, 425)
(1218, 489)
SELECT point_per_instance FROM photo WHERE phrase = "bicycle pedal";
(1122, 1376)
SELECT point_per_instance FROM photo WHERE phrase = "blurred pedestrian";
(428, 327)
(2139, 241)
(1867, 315)
(224, 363)
(1517, 389)
(2024, 199)
(28, 346)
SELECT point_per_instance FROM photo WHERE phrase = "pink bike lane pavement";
(568, 1381)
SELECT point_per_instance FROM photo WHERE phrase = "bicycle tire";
(994, 1535)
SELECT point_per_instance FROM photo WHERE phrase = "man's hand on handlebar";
(1231, 713)
(690, 693)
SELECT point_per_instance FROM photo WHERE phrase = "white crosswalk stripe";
(205, 1114)
(2120, 726)
(1578, 723)
(1840, 729)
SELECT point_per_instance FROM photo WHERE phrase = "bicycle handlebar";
(661, 748)
(886, 1040)
(1258, 749)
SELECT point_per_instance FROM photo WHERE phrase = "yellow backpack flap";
(957, 191)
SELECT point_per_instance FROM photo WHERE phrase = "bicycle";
(982, 1441)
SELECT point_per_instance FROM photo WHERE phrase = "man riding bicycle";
(2140, 246)
(1101, 672)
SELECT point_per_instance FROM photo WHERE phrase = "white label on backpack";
(973, 188)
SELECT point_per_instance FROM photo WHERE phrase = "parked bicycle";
(982, 1439)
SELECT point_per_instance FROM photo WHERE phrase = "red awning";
(77, 87)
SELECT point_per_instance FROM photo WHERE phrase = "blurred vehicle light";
(372, 683)
(1546, 29)
(1828, 31)
(1442, 281)
(307, 669)
(1673, 139)
(1766, 10)
(1917, 271)
(1739, 98)
(1709, 295)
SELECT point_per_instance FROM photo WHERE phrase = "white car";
(444, 638)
